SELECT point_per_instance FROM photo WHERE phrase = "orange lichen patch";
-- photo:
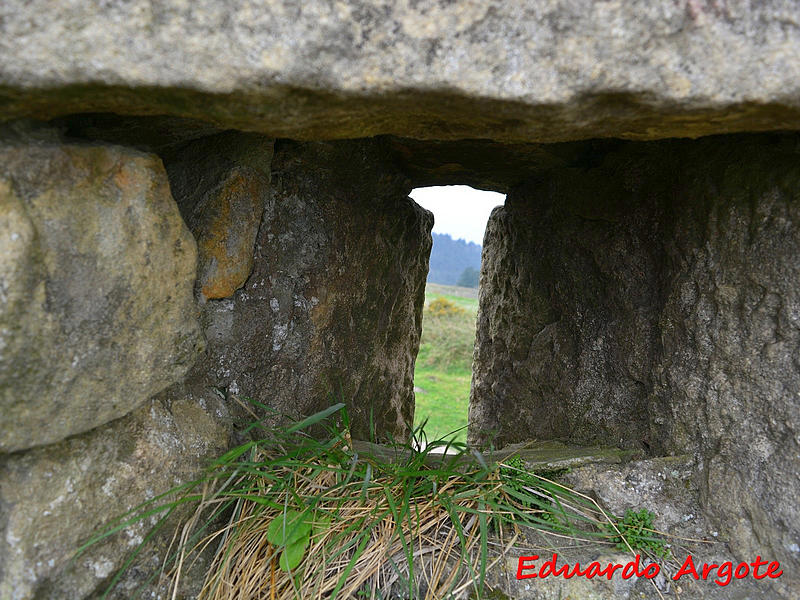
(228, 234)
(222, 288)
(122, 178)
(128, 175)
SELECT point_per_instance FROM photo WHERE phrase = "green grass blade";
(315, 418)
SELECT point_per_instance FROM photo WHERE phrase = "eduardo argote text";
(722, 574)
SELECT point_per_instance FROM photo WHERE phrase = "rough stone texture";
(54, 498)
(651, 298)
(567, 317)
(96, 274)
(221, 184)
(664, 485)
(728, 377)
(519, 70)
(220, 180)
(333, 308)
(161, 134)
(640, 296)
(484, 164)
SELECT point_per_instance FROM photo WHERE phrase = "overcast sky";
(458, 209)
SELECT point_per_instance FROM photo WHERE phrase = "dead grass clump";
(295, 516)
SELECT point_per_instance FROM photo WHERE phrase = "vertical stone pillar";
(332, 309)
(653, 300)
(567, 315)
(727, 380)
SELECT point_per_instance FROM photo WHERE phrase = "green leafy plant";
(291, 531)
(636, 531)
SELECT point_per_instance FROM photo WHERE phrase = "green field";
(444, 365)
(466, 298)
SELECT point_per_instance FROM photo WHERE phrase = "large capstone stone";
(648, 298)
(528, 70)
(54, 498)
(96, 275)
(332, 310)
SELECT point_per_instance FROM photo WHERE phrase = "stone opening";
(443, 370)
(312, 260)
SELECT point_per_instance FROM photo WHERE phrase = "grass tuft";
(294, 516)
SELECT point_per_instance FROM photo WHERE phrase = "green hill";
(450, 258)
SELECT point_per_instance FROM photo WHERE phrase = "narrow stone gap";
(443, 371)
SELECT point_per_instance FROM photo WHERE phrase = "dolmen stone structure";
(202, 202)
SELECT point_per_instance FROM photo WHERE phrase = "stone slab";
(520, 70)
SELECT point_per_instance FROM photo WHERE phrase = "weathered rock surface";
(485, 164)
(567, 315)
(649, 298)
(220, 180)
(221, 184)
(96, 274)
(53, 499)
(665, 486)
(728, 376)
(634, 295)
(524, 70)
(333, 308)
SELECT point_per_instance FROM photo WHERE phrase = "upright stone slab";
(727, 379)
(649, 298)
(568, 312)
(332, 310)
(96, 275)
(221, 183)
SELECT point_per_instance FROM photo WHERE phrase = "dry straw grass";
(300, 516)
(360, 552)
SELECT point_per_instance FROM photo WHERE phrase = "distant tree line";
(454, 262)
(469, 277)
